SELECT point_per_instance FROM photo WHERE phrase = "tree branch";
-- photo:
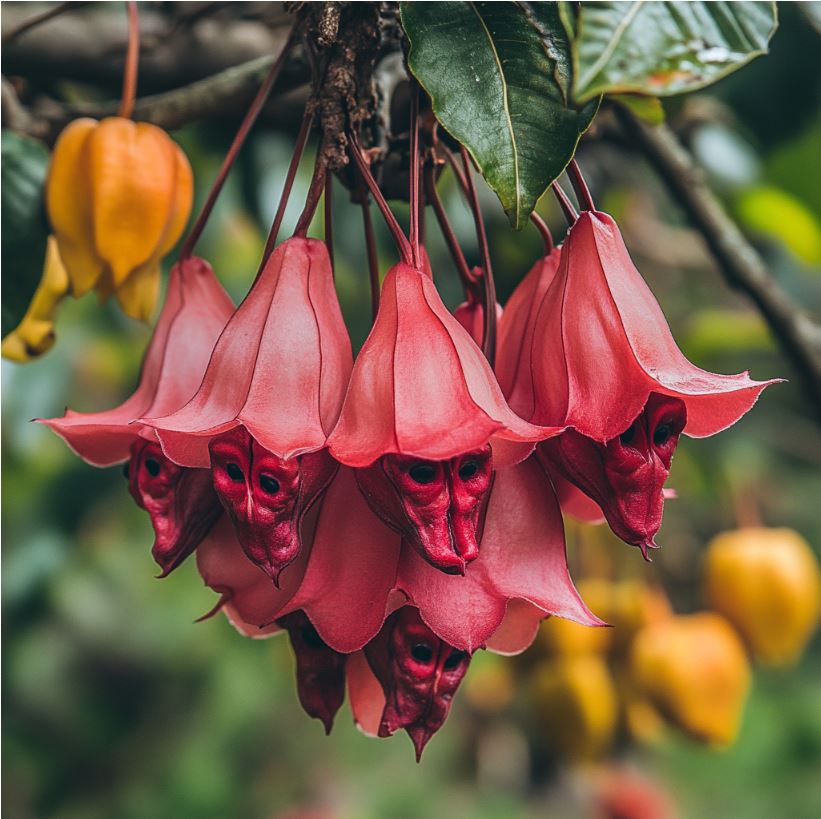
(221, 94)
(741, 265)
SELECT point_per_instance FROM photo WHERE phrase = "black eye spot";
(234, 472)
(423, 473)
(454, 658)
(152, 466)
(311, 638)
(422, 653)
(628, 435)
(661, 435)
(125, 469)
(468, 469)
(269, 484)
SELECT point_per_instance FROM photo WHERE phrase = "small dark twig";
(40, 18)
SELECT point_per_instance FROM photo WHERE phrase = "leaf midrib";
(506, 107)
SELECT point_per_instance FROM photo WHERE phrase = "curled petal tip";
(225, 598)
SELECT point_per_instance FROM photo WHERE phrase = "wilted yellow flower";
(575, 705)
(118, 196)
(768, 584)
(34, 335)
(694, 669)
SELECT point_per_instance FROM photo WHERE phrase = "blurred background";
(115, 704)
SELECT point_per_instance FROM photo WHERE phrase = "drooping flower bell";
(270, 396)
(419, 675)
(424, 423)
(181, 502)
(320, 671)
(118, 196)
(594, 353)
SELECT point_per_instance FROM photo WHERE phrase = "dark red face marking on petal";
(626, 475)
(419, 674)
(438, 506)
(320, 671)
(181, 502)
(267, 496)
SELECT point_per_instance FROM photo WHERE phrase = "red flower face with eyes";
(437, 506)
(320, 671)
(181, 502)
(267, 496)
(626, 475)
(419, 674)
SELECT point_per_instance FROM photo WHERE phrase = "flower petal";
(351, 571)
(280, 367)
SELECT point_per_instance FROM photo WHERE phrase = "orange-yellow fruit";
(575, 706)
(118, 195)
(768, 584)
(694, 669)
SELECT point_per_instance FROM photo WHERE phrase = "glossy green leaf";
(24, 230)
(498, 75)
(664, 48)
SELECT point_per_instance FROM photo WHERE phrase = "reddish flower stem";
(329, 215)
(314, 193)
(465, 276)
(239, 140)
(580, 186)
(544, 230)
(370, 245)
(489, 334)
(414, 175)
(299, 147)
(132, 59)
(402, 243)
(564, 203)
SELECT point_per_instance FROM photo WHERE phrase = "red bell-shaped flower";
(320, 671)
(425, 422)
(270, 396)
(181, 502)
(584, 343)
(601, 345)
(419, 674)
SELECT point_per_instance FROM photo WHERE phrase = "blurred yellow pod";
(767, 582)
(558, 636)
(490, 686)
(694, 669)
(118, 195)
(626, 605)
(34, 335)
(575, 705)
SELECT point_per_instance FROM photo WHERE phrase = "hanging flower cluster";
(397, 512)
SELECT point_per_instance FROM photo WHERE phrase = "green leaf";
(664, 48)
(648, 109)
(23, 168)
(498, 75)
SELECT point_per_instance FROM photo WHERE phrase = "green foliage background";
(116, 705)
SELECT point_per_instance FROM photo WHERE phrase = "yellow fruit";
(694, 669)
(118, 195)
(575, 705)
(562, 637)
(34, 335)
(490, 686)
(768, 584)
